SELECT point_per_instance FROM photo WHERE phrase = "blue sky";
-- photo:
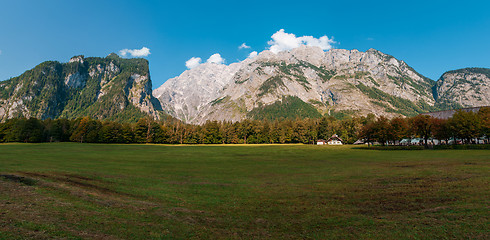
(431, 36)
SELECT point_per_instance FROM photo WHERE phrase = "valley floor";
(100, 191)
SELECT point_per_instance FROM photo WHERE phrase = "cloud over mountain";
(216, 58)
(196, 61)
(252, 54)
(282, 41)
(143, 52)
(193, 62)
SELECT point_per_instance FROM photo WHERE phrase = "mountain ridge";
(109, 88)
(463, 88)
(303, 82)
(330, 81)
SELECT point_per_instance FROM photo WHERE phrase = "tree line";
(464, 126)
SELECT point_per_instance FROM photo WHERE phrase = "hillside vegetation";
(108, 88)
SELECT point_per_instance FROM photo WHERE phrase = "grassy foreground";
(71, 190)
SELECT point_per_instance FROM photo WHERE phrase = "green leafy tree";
(421, 126)
(397, 129)
(146, 131)
(368, 133)
(86, 130)
(381, 130)
(7, 129)
(484, 115)
(229, 133)
(212, 133)
(113, 132)
(465, 125)
(300, 131)
(326, 127)
(29, 130)
(441, 129)
(245, 130)
(350, 128)
(59, 130)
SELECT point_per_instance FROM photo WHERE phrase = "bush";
(393, 148)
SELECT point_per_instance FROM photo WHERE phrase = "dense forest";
(464, 126)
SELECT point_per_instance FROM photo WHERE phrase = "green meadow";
(101, 191)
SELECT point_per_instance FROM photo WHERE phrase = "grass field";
(80, 191)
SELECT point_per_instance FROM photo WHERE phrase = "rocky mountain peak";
(113, 55)
(194, 88)
(337, 80)
(467, 87)
(104, 88)
(78, 59)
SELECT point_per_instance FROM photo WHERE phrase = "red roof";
(335, 137)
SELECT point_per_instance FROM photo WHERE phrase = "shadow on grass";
(19, 179)
(430, 147)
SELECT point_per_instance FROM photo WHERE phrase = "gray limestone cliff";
(468, 87)
(334, 82)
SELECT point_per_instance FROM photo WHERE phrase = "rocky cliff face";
(468, 87)
(109, 88)
(185, 96)
(333, 82)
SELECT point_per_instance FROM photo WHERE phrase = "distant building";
(360, 141)
(321, 142)
(334, 140)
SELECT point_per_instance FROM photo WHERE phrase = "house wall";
(334, 142)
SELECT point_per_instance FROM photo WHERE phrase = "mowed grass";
(96, 191)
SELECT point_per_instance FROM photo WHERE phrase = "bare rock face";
(75, 80)
(76, 59)
(139, 92)
(185, 96)
(468, 87)
(338, 80)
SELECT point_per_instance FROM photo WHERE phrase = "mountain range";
(309, 82)
(303, 82)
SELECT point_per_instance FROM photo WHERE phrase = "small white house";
(321, 142)
(334, 140)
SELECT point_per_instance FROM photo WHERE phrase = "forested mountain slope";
(110, 88)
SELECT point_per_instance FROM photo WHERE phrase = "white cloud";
(252, 54)
(143, 52)
(193, 62)
(243, 46)
(216, 58)
(196, 61)
(282, 41)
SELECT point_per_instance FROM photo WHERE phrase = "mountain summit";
(109, 88)
(305, 81)
(467, 87)
(300, 83)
